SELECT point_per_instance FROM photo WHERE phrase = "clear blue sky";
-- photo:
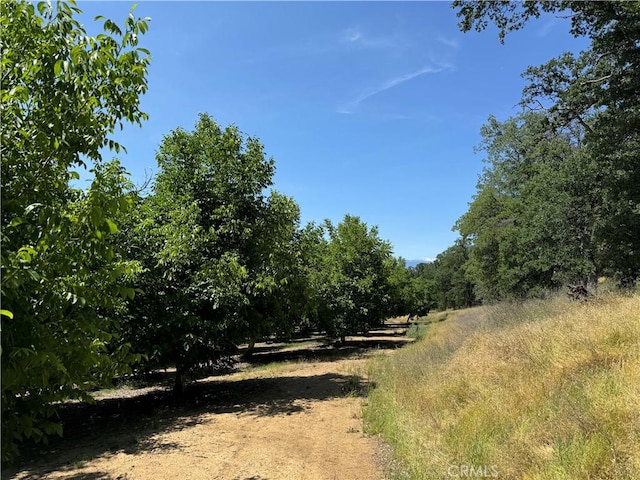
(368, 108)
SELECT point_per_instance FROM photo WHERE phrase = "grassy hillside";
(540, 390)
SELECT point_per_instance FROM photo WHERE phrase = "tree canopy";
(355, 274)
(63, 278)
(582, 152)
(219, 248)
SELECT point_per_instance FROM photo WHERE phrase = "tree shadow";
(387, 326)
(386, 333)
(329, 352)
(325, 349)
(135, 425)
(74, 476)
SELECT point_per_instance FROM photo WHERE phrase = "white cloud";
(449, 42)
(546, 28)
(351, 106)
(355, 37)
(351, 35)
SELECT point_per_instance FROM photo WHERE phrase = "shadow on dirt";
(317, 349)
(328, 352)
(91, 476)
(134, 424)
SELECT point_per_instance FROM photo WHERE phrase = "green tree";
(63, 93)
(533, 220)
(596, 89)
(410, 293)
(356, 270)
(312, 247)
(220, 251)
(451, 286)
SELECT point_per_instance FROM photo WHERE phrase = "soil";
(301, 419)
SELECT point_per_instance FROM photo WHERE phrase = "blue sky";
(368, 108)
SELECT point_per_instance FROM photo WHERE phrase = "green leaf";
(26, 253)
(42, 7)
(113, 228)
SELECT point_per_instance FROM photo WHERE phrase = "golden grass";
(538, 390)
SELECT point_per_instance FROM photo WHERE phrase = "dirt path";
(293, 420)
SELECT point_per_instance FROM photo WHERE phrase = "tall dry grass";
(537, 390)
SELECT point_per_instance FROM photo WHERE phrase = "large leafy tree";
(63, 93)
(219, 249)
(533, 221)
(597, 90)
(355, 286)
(410, 293)
(451, 286)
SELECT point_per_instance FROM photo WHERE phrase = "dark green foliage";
(540, 208)
(444, 284)
(354, 279)
(63, 278)
(220, 253)
(560, 202)
(452, 288)
(411, 293)
(532, 222)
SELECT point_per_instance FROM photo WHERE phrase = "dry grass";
(539, 390)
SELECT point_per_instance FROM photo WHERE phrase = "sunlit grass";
(269, 370)
(538, 390)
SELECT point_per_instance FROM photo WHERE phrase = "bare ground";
(298, 419)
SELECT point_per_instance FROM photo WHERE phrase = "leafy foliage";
(410, 293)
(532, 222)
(355, 286)
(63, 278)
(220, 253)
(444, 283)
(576, 164)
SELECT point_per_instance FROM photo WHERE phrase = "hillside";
(540, 390)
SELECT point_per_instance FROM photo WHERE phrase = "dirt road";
(290, 420)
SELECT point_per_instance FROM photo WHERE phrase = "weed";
(417, 331)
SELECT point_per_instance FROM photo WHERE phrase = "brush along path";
(292, 420)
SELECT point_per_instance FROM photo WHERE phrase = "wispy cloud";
(449, 42)
(351, 35)
(351, 106)
(546, 28)
(356, 37)
(351, 39)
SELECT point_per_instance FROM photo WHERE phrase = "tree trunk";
(252, 344)
(180, 384)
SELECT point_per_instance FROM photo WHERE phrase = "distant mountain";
(413, 263)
